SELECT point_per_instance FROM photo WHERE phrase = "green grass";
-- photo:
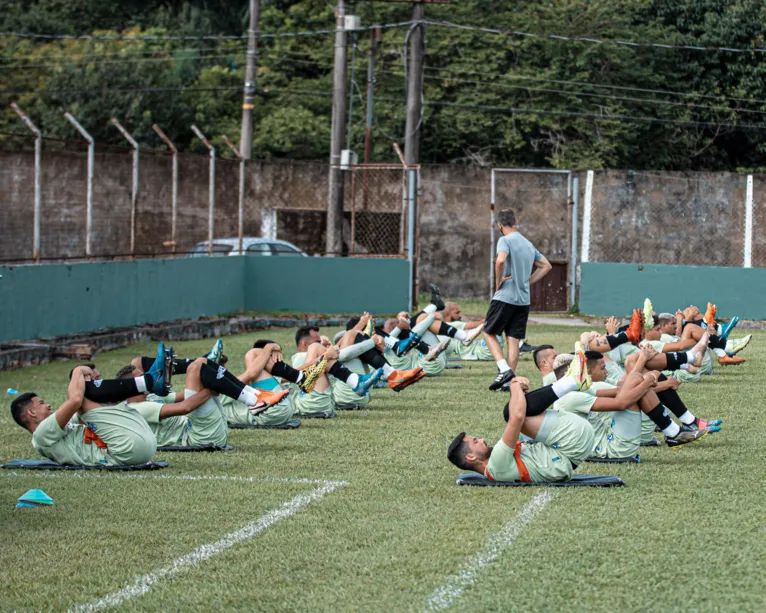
(686, 534)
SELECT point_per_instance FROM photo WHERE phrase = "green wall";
(62, 299)
(617, 289)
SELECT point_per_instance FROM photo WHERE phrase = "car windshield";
(280, 249)
(218, 250)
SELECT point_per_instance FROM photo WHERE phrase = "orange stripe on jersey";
(90, 437)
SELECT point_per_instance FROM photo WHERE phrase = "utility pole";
(334, 245)
(246, 139)
(412, 139)
(374, 40)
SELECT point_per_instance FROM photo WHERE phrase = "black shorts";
(508, 319)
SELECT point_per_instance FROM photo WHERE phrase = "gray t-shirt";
(521, 257)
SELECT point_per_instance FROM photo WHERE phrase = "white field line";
(143, 584)
(444, 596)
(119, 475)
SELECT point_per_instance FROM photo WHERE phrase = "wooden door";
(550, 294)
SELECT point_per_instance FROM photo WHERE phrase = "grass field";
(361, 513)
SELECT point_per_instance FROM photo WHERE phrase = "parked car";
(250, 246)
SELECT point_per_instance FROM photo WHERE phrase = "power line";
(595, 41)
(127, 61)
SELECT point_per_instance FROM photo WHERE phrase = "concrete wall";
(617, 289)
(59, 299)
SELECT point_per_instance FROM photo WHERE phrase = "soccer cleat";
(710, 314)
(578, 370)
(311, 374)
(636, 324)
(406, 344)
(266, 400)
(727, 328)
(369, 329)
(714, 425)
(738, 345)
(648, 315)
(435, 351)
(436, 297)
(160, 372)
(399, 379)
(700, 349)
(216, 352)
(730, 360)
(526, 348)
(501, 380)
(367, 382)
(684, 437)
(472, 335)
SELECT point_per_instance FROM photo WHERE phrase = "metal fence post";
(492, 237)
(91, 162)
(38, 190)
(748, 263)
(412, 185)
(211, 181)
(586, 217)
(134, 188)
(241, 204)
(174, 186)
(573, 256)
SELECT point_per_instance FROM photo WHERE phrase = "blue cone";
(36, 497)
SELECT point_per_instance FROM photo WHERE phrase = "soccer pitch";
(361, 513)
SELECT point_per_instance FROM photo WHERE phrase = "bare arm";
(500, 269)
(187, 406)
(75, 394)
(473, 324)
(517, 414)
(541, 268)
(255, 368)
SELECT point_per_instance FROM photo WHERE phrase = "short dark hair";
(71, 372)
(303, 332)
(352, 322)
(561, 370)
(536, 352)
(655, 321)
(507, 218)
(19, 408)
(592, 357)
(126, 372)
(457, 451)
(262, 342)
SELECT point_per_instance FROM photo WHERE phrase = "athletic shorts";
(508, 319)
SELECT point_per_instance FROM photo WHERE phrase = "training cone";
(36, 498)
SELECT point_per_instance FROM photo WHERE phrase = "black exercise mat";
(288, 425)
(473, 478)
(51, 465)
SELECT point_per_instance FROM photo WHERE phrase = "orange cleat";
(399, 379)
(730, 360)
(710, 316)
(636, 326)
(266, 400)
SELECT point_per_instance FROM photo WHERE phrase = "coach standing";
(518, 266)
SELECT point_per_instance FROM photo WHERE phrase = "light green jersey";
(706, 368)
(169, 431)
(313, 403)
(343, 394)
(404, 362)
(477, 350)
(620, 353)
(647, 428)
(549, 379)
(614, 373)
(128, 438)
(563, 439)
(236, 412)
(434, 367)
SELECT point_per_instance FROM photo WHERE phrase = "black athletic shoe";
(436, 297)
(526, 348)
(501, 380)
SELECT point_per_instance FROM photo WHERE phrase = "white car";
(250, 246)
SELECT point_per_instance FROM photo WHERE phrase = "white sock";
(300, 376)
(387, 370)
(355, 350)
(685, 366)
(353, 380)
(431, 308)
(691, 355)
(521, 342)
(390, 341)
(687, 419)
(564, 386)
(729, 345)
(672, 430)
(502, 365)
(248, 396)
(460, 335)
(395, 332)
(141, 384)
(719, 352)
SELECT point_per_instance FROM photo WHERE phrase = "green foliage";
(490, 98)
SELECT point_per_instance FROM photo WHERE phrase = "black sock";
(659, 417)
(108, 391)
(615, 340)
(371, 357)
(675, 359)
(446, 330)
(673, 402)
(285, 371)
(716, 342)
(340, 372)
(538, 402)
(218, 379)
(179, 365)
(423, 347)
